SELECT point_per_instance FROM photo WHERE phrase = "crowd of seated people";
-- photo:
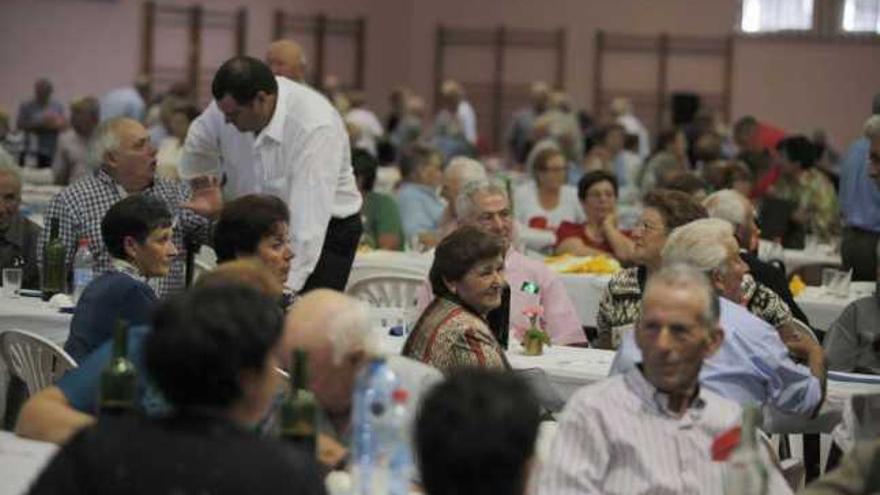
(699, 324)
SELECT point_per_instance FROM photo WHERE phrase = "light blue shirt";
(123, 102)
(859, 196)
(752, 365)
(420, 208)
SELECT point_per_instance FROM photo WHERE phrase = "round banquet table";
(823, 308)
(21, 461)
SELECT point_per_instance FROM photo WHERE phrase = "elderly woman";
(547, 201)
(211, 355)
(663, 211)
(467, 279)
(597, 191)
(255, 225)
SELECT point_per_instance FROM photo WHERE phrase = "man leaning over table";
(279, 137)
(752, 365)
(126, 164)
(485, 204)
(652, 429)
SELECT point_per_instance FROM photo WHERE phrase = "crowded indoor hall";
(400, 247)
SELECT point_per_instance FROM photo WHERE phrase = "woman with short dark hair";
(597, 191)
(255, 225)
(467, 280)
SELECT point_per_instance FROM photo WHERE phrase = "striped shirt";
(618, 437)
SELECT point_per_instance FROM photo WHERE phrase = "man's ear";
(716, 339)
(129, 246)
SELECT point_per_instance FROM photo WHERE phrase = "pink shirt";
(560, 318)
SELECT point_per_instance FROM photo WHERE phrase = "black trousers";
(858, 251)
(337, 254)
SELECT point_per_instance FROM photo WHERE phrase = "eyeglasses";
(552, 170)
(647, 227)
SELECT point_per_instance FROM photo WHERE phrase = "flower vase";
(534, 346)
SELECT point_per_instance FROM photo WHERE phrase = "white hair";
(686, 276)
(348, 330)
(872, 127)
(539, 148)
(702, 244)
(728, 205)
(104, 140)
(466, 169)
(465, 204)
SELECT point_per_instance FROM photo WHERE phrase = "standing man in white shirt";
(270, 135)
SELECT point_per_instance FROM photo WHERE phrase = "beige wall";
(93, 46)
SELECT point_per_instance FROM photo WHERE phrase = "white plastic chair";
(35, 360)
(387, 290)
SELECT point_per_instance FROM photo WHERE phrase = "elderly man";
(859, 208)
(286, 58)
(41, 119)
(300, 153)
(335, 330)
(485, 204)
(752, 366)
(622, 113)
(126, 164)
(735, 208)
(651, 430)
(421, 208)
(18, 235)
(460, 171)
(71, 160)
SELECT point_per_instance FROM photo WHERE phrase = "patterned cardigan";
(449, 336)
(621, 303)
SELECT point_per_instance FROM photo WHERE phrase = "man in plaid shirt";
(126, 164)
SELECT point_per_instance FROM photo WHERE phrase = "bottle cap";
(399, 395)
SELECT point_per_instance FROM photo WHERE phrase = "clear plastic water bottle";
(82, 269)
(373, 430)
(401, 453)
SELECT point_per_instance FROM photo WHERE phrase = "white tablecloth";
(34, 315)
(823, 308)
(21, 461)
(567, 368)
(796, 258)
(585, 291)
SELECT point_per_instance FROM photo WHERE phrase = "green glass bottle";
(119, 378)
(54, 273)
(299, 409)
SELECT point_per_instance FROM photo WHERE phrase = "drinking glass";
(11, 282)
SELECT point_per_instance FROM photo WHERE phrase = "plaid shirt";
(81, 206)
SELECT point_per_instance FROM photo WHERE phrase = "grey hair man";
(752, 366)
(771, 286)
(485, 204)
(461, 170)
(125, 163)
(335, 331)
(652, 429)
(18, 235)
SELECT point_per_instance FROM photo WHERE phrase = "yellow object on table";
(598, 265)
(796, 285)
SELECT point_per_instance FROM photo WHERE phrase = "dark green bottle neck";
(299, 377)
(120, 341)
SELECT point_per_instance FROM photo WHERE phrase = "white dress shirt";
(619, 437)
(302, 156)
(468, 119)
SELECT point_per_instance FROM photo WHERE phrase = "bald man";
(335, 330)
(286, 58)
